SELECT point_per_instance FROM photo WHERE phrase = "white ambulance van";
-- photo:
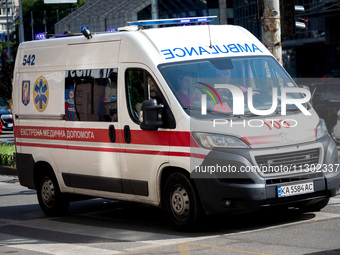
(197, 119)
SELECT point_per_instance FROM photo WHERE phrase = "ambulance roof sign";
(59, 1)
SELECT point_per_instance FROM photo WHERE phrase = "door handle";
(112, 133)
(127, 134)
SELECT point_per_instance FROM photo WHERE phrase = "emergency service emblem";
(40, 94)
(25, 97)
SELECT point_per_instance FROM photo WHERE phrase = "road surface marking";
(59, 248)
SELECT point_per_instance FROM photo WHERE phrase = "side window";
(319, 93)
(140, 86)
(91, 95)
(333, 93)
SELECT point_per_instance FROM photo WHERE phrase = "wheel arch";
(165, 173)
(39, 169)
(51, 200)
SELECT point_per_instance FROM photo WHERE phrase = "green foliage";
(7, 154)
(7, 149)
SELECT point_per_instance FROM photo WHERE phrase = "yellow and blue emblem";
(41, 94)
(25, 95)
(279, 191)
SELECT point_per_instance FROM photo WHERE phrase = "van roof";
(204, 41)
(179, 43)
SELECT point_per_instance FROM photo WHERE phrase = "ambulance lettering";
(31, 132)
(57, 133)
(215, 49)
(42, 132)
(80, 135)
(54, 133)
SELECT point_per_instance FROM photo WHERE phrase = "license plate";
(10, 125)
(295, 189)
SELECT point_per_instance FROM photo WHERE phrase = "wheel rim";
(180, 204)
(47, 192)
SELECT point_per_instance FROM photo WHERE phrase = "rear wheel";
(181, 202)
(51, 200)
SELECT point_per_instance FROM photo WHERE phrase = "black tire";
(181, 202)
(315, 207)
(51, 200)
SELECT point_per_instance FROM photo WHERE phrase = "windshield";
(212, 84)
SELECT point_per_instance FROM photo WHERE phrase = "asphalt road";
(101, 226)
(7, 136)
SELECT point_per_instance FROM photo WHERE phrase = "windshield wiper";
(245, 115)
(208, 111)
(191, 108)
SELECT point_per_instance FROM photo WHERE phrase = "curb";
(6, 170)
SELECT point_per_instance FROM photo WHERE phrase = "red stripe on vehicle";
(114, 150)
(266, 139)
(163, 138)
(280, 138)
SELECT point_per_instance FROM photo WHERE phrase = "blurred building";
(313, 52)
(10, 7)
(100, 15)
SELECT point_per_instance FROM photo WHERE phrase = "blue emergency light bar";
(40, 36)
(112, 30)
(178, 21)
(43, 36)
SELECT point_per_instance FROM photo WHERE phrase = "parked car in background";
(7, 122)
(326, 102)
(6, 119)
(336, 130)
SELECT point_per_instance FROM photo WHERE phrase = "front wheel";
(181, 202)
(51, 200)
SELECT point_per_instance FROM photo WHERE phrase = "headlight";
(321, 129)
(210, 141)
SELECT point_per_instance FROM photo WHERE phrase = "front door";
(143, 152)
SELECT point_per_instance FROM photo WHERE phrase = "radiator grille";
(286, 163)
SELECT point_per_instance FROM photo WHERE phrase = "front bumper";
(222, 192)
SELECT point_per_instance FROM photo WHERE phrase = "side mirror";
(150, 117)
(305, 87)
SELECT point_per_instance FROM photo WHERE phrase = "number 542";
(28, 60)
